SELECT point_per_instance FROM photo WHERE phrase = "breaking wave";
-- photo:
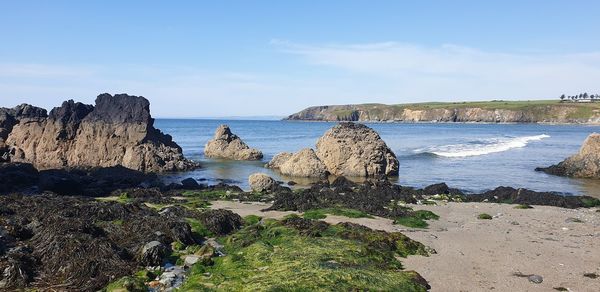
(481, 147)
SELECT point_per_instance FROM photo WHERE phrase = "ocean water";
(472, 157)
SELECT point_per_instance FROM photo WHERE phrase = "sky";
(260, 58)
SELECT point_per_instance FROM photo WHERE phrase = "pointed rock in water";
(584, 164)
(118, 130)
(227, 145)
(350, 149)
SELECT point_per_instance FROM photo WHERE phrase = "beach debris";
(533, 278)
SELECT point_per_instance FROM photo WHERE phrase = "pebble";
(537, 279)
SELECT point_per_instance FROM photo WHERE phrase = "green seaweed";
(273, 257)
(484, 216)
(322, 213)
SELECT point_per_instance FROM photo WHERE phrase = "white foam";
(482, 147)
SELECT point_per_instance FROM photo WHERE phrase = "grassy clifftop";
(530, 111)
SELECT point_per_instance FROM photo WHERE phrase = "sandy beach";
(483, 255)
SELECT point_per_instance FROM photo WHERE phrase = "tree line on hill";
(582, 96)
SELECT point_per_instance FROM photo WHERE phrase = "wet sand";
(483, 255)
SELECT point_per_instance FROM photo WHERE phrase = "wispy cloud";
(459, 70)
(386, 72)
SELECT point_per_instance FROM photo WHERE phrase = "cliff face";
(489, 113)
(117, 131)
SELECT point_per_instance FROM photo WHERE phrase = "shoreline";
(445, 122)
(545, 241)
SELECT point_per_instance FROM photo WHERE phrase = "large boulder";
(260, 182)
(350, 149)
(585, 164)
(278, 160)
(227, 145)
(118, 130)
(304, 163)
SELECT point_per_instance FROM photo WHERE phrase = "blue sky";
(249, 58)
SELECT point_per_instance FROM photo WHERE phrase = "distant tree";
(580, 95)
(586, 96)
(562, 97)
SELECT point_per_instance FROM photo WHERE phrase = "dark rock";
(182, 232)
(153, 253)
(291, 183)
(441, 188)
(528, 197)
(307, 227)
(90, 242)
(221, 222)
(190, 183)
(121, 108)
(373, 197)
(61, 182)
(16, 271)
(69, 115)
(17, 177)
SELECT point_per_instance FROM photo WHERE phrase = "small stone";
(573, 220)
(537, 279)
(191, 260)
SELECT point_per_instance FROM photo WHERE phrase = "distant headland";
(565, 110)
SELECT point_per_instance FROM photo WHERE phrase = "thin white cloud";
(462, 71)
(386, 72)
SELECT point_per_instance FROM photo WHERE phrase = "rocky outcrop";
(347, 149)
(486, 112)
(350, 149)
(584, 164)
(118, 130)
(278, 160)
(227, 145)
(303, 163)
(260, 182)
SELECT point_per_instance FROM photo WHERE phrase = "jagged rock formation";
(347, 149)
(117, 131)
(486, 112)
(227, 145)
(584, 164)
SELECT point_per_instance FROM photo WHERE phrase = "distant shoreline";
(493, 112)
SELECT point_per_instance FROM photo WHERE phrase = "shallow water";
(473, 157)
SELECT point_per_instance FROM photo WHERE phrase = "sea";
(473, 157)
